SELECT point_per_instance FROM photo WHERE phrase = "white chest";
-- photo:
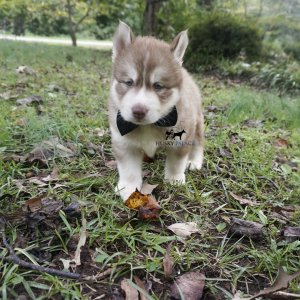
(146, 138)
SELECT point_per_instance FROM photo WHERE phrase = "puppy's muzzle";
(139, 111)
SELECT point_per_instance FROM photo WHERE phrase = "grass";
(241, 157)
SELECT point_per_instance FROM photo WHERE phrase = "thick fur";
(138, 65)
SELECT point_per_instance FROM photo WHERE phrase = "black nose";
(139, 111)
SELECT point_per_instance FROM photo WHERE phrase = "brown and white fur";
(148, 80)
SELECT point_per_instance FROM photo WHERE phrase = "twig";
(15, 259)
(284, 296)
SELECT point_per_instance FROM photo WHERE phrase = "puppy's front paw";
(124, 190)
(195, 164)
(176, 179)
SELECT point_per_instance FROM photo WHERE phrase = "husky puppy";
(150, 95)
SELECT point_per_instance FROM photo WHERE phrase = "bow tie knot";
(167, 121)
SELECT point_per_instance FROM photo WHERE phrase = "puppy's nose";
(139, 111)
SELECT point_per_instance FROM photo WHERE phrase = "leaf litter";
(184, 230)
(282, 282)
(188, 286)
(146, 205)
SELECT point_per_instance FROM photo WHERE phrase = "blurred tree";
(207, 4)
(150, 16)
(107, 14)
(13, 15)
(74, 9)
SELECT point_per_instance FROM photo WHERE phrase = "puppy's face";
(146, 75)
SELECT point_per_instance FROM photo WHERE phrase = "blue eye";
(129, 82)
(157, 86)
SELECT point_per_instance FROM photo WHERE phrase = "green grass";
(240, 157)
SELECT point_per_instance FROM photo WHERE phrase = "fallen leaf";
(81, 242)
(282, 282)
(47, 150)
(148, 188)
(53, 175)
(136, 200)
(25, 70)
(8, 96)
(243, 200)
(188, 286)
(213, 108)
(291, 234)
(147, 214)
(147, 206)
(21, 122)
(225, 152)
(253, 123)
(184, 229)
(246, 228)
(73, 210)
(37, 181)
(100, 132)
(130, 292)
(281, 143)
(34, 204)
(141, 284)
(35, 99)
(148, 159)
(54, 88)
(168, 262)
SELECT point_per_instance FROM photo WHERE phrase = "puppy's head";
(146, 75)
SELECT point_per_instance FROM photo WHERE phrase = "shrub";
(215, 36)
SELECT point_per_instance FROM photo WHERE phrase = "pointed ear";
(179, 44)
(123, 37)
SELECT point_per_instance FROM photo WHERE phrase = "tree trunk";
(150, 20)
(72, 29)
(73, 36)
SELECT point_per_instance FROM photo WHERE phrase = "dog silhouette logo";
(171, 134)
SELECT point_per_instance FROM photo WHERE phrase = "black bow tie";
(167, 121)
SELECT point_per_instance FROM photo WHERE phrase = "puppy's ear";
(179, 44)
(123, 37)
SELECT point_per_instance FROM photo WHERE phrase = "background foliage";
(256, 40)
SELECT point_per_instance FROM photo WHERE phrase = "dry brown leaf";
(168, 262)
(49, 149)
(81, 242)
(281, 143)
(136, 200)
(35, 99)
(243, 200)
(8, 96)
(148, 188)
(25, 70)
(291, 234)
(184, 229)
(142, 285)
(130, 292)
(100, 132)
(34, 204)
(189, 285)
(246, 228)
(53, 175)
(147, 206)
(282, 282)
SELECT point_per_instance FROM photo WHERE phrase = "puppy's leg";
(196, 154)
(130, 171)
(176, 164)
